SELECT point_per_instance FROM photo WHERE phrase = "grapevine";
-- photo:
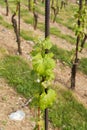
(43, 65)
(80, 31)
(16, 25)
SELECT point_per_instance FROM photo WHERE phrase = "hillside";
(12, 101)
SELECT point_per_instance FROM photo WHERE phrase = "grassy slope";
(66, 113)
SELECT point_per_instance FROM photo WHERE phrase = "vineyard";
(43, 64)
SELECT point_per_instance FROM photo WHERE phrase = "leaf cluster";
(43, 62)
(47, 99)
(43, 65)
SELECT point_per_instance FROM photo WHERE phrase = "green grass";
(66, 16)
(68, 38)
(41, 26)
(1, 18)
(83, 65)
(24, 12)
(68, 23)
(67, 113)
(28, 21)
(56, 32)
(2, 3)
(40, 9)
(66, 57)
(18, 74)
(28, 35)
(63, 55)
(2, 51)
(4, 23)
(85, 45)
(66, 110)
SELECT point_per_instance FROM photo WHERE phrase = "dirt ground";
(10, 102)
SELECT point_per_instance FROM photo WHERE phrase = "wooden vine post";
(19, 48)
(74, 66)
(47, 32)
(7, 8)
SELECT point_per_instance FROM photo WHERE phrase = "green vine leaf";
(47, 100)
(47, 44)
(44, 65)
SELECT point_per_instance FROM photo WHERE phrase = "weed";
(83, 65)
(63, 55)
(28, 35)
(67, 113)
(18, 74)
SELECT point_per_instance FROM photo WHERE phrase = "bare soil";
(10, 102)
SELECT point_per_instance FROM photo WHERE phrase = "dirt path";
(10, 102)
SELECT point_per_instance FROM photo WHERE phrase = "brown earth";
(10, 102)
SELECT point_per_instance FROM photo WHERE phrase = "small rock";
(3, 30)
(17, 116)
